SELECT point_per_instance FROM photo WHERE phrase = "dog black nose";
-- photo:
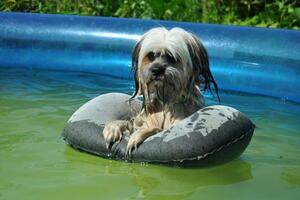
(158, 70)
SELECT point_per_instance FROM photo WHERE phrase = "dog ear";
(200, 62)
(134, 67)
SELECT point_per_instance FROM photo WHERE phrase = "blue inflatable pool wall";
(253, 60)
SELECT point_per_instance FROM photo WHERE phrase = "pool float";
(210, 136)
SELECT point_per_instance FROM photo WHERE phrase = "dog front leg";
(138, 137)
(114, 131)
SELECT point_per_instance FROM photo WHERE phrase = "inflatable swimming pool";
(251, 60)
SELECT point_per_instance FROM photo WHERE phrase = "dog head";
(170, 66)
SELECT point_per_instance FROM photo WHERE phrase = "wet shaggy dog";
(170, 68)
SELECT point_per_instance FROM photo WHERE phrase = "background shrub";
(260, 13)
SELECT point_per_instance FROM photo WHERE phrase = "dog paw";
(133, 142)
(114, 131)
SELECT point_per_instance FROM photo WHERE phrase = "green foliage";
(135, 9)
(260, 13)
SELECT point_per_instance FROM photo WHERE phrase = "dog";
(170, 68)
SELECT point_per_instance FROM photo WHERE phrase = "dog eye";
(170, 58)
(150, 56)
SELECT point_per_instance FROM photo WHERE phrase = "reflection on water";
(36, 164)
(161, 180)
(292, 176)
(157, 180)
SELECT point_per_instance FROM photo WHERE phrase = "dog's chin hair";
(176, 78)
(167, 90)
(154, 92)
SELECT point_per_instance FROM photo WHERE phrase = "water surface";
(35, 163)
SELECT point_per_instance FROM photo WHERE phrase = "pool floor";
(35, 163)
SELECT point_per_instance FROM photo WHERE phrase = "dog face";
(169, 65)
(159, 73)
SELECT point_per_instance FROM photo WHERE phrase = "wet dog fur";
(170, 68)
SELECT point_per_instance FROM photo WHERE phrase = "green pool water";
(35, 163)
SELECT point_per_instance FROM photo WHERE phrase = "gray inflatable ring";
(212, 135)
